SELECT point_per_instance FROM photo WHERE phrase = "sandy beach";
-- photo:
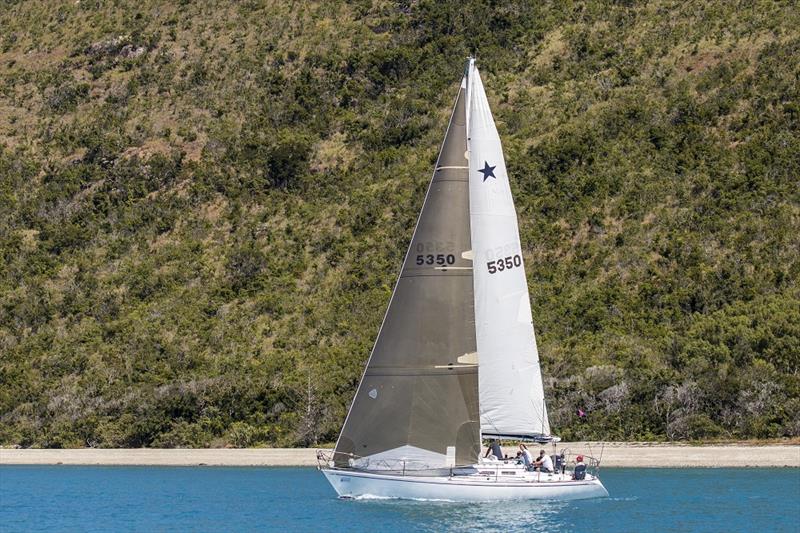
(641, 455)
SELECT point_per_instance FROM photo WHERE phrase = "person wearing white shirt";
(526, 456)
(543, 462)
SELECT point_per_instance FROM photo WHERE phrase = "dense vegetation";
(203, 209)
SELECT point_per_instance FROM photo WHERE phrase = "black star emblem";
(487, 171)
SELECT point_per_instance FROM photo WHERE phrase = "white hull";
(351, 484)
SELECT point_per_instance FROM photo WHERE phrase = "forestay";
(510, 381)
(417, 406)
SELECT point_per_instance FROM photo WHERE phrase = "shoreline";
(613, 454)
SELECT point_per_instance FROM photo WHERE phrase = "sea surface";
(93, 498)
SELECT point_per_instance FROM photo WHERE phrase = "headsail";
(510, 381)
(417, 406)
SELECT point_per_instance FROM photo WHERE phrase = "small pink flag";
(581, 413)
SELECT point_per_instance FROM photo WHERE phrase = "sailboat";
(455, 360)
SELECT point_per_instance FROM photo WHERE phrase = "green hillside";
(203, 209)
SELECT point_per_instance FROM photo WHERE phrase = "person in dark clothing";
(494, 449)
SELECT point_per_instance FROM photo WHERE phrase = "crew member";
(494, 449)
(543, 462)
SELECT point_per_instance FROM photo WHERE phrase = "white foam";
(376, 497)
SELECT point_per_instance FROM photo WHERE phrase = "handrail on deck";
(328, 459)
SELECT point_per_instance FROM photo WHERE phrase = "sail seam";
(432, 275)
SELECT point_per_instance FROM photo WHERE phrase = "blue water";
(66, 498)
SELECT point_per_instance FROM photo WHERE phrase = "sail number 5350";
(438, 259)
(504, 263)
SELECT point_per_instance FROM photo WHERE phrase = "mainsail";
(417, 404)
(511, 392)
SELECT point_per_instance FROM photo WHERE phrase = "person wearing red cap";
(580, 468)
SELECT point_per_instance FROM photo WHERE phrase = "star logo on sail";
(487, 171)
